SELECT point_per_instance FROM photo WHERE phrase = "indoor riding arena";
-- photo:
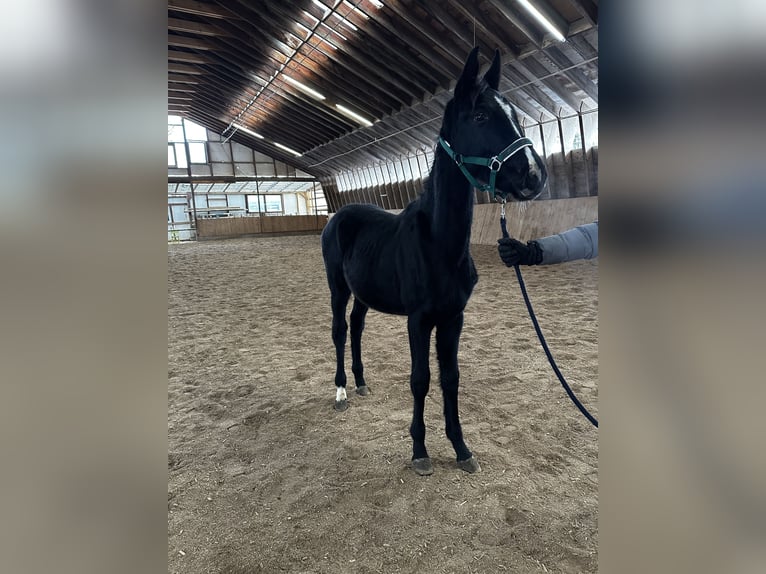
(284, 116)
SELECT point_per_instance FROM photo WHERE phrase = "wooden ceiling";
(392, 62)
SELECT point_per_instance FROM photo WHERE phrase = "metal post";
(316, 211)
(258, 203)
(189, 173)
(584, 152)
(564, 155)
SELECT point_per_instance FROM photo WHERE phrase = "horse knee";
(339, 329)
(356, 328)
(419, 384)
(450, 381)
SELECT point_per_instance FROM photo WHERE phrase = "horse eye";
(480, 117)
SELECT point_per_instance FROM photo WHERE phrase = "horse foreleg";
(358, 313)
(420, 342)
(339, 329)
(447, 339)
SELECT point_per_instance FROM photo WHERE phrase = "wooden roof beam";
(442, 44)
(198, 28)
(588, 9)
(184, 69)
(199, 9)
(538, 70)
(360, 60)
(312, 112)
(535, 37)
(393, 26)
(193, 43)
(222, 109)
(187, 57)
(173, 87)
(323, 77)
(577, 77)
(298, 121)
(182, 79)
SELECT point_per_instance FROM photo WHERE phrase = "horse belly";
(376, 288)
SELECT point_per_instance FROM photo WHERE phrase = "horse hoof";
(470, 465)
(341, 406)
(363, 391)
(422, 466)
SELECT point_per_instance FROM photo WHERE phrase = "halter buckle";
(459, 159)
(492, 162)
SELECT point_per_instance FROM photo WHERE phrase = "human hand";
(514, 252)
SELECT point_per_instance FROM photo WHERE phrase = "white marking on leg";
(340, 394)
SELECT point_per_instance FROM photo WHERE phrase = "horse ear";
(492, 77)
(467, 81)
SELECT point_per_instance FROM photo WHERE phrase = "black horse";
(418, 263)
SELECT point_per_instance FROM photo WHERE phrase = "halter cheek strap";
(494, 163)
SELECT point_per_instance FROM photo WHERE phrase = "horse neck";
(452, 206)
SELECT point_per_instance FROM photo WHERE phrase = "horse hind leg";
(339, 301)
(358, 313)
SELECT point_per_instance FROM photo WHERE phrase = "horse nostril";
(533, 180)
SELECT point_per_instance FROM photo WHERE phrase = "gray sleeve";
(577, 243)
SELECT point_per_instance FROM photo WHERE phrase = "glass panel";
(171, 156)
(590, 127)
(267, 203)
(195, 132)
(180, 155)
(429, 159)
(237, 201)
(175, 133)
(197, 153)
(264, 169)
(399, 172)
(272, 203)
(406, 168)
(291, 204)
(571, 130)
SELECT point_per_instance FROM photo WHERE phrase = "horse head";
(482, 134)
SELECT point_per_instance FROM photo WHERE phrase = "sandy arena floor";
(264, 476)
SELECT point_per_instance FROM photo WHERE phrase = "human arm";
(580, 242)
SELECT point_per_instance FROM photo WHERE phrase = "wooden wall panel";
(238, 226)
(532, 220)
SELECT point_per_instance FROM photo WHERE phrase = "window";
(180, 155)
(291, 204)
(175, 133)
(264, 203)
(171, 155)
(197, 152)
(195, 132)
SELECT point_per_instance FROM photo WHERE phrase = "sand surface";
(264, 476)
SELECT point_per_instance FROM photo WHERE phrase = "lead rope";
(563, 382)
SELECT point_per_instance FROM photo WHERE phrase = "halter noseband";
(494, 163)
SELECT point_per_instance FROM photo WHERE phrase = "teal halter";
(493, 163)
